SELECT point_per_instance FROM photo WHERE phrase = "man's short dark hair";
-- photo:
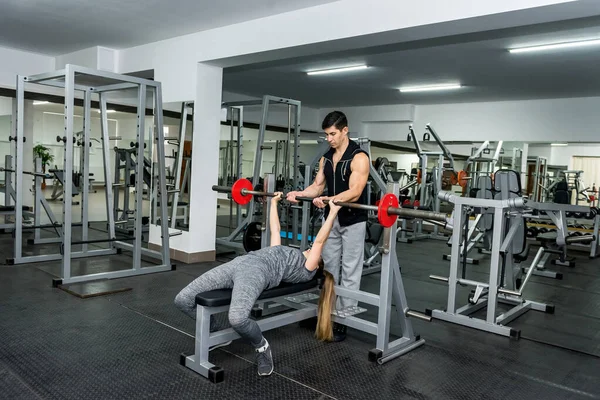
(335, 118)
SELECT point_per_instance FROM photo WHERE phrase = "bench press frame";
(391, 287)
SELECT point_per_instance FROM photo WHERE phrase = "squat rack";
(92, 83)
(294, 115)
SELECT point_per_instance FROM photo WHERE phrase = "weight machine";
(502, 286)
(75, 79)
(507, 279)
(8, 211)
(539, 177)
(175, 189)
(429, 185)
(125, 167)
(479, 165)
(294, 117)
(582, 192)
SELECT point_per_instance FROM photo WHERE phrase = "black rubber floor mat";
(94, 289)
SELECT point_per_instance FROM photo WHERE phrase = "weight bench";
(57, 192)
(294, 296)
(9, 211)
(548, 242)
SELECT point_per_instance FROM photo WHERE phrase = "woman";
(250, 274)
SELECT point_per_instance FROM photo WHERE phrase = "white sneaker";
(264, 359)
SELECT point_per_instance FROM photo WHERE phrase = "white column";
(205, 162)
(201, 235)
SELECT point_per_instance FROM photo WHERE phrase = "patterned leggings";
(247, 282)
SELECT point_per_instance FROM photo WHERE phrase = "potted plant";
(42, 152)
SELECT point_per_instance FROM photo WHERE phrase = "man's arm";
(358, 179)
(315, 189)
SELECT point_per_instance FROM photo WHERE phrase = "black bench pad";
(222, 297)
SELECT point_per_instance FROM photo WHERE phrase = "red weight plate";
(236, 191)
(386, 220)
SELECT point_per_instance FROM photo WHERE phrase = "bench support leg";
(199, 361)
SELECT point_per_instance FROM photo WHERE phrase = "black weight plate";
(252, 237)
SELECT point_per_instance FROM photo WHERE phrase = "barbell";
(388, 211)
(39, 174)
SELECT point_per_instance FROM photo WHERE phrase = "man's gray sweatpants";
(344, 250)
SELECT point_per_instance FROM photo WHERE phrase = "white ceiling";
(59, 27)
(479, 61)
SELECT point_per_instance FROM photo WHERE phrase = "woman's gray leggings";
(247, 282)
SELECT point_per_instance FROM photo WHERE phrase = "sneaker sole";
(220, 345)
(270, 372)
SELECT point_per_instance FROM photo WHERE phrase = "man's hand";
(319, 201)
(291, 196)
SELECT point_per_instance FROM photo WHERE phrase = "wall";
(16, 62)
(564, 155)
(84, 58)
(550, 120)
(542, 151)
(97, 57)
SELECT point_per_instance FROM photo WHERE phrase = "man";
(345, 171)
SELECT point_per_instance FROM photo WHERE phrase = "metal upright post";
(436, 199)
(305, 212)
(239, 159)
(8, 180)
(296, 172)
(497, 237)
(179, 162)
(19, 137)
(159, 131)
(85, 150)
(110, 205)
(139, 179)
(385, 286)
(68, 171)
(459, 213)
(37, 205)
(418, 225)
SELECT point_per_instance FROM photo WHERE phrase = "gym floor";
(128, 344)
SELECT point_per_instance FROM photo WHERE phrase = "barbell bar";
(40, 174)
(388, 211)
